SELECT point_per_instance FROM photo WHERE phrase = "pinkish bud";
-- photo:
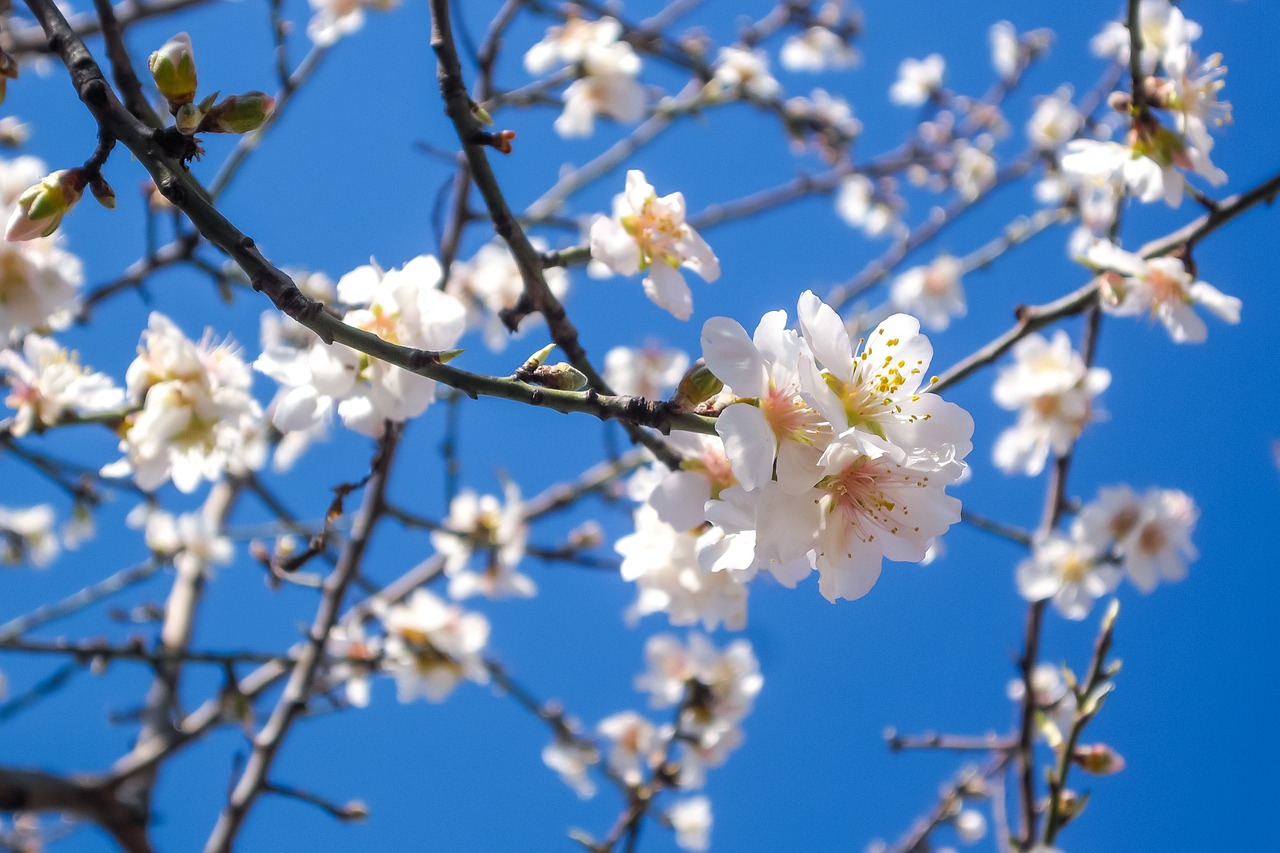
(173, 67)
(40, 208)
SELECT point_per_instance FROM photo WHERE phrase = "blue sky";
(930, 649)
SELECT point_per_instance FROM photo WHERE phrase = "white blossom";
(635, 745)
(817, 49)
(663, 563)
(1069, 570)
(491, 282)
(918, 80)
(498, 532)
(1003, 40)
(1151, 534)
(571, 42)
(649, 234)
(572, 760)
(974, 171)
(651, 371)
(47, 383)
(971, 826)
(1162, 28)
(27, 534)
(333, 19)
(193, 541)
(1054, 122)
(608, 85)
(1194, 96)
(353, 654)
(431, 646)
(197, 418)
(746, 72)
(932, 293)
(858, 204)
(38, 279)
(1159, 288)
(1052, 389)
(691, 819)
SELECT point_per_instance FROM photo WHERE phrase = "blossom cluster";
(828, 457)
(1146, 538)
(606, 68)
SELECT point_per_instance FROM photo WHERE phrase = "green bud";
(560, 377)
(240, 113)
(697, 386)
(173, 67)
(187, 118)
(40, 208)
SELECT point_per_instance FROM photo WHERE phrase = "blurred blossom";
(817, 49)
(572, 761)
(971, 826)
(860, 206)
(746, 72)
(47, 383)
(691, 819)
(333, 19)
(497, 532)
(1052, 389)
(1159, 288)
(1003, 39)
(1069, 570)
(27, 534)
(431, 646)
(1054, 122)
(918, 80)
(651, 371)
(1150, 534)
(491, 282)
(932, 293)
(635, 745)
(1163, 30)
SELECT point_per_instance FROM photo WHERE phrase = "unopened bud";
(12, 131)
(173, 67)
(1098, 759)
(187, 118)
(481, 114)
(1121, 102)
(103, 192)
(40, 209)
(240, 113)
(502, 140)
(697, 386)
(559, 376)
(355, 810)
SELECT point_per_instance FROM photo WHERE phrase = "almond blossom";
(1159, 288)
(197, 419)
(650, 371)
(1150, 534)
(648, 233)
(491, 282)
(572, 42)
(608, 85)
(571, 759)
(745, 72)
(431, 646)
(1054, 122)
(1069, 570)
(1162, 29)
(858, 204)
(691, 820)
(26, 534)
(47, 384)
(334, 19)
(1053, 390)
(918, 80)
(817, 49)
(38, 279)
(402, 306)
(498, 532)
(933, 293)
(636, 745)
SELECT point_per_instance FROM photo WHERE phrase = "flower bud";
(173, 67)
(103, 192)
(40, 209)
(1098, 759)
(240, 113)
(559, 376)
(187, 118)
(697, 386)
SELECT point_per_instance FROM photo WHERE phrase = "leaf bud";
(697, 386)
(103, 192)
(1098, 759)
(239, 113)
(559, 376)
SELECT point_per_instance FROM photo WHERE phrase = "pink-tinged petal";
(732, 357)
(666, 287)
(749, 444)
(849, 574)
(679, 499)
(1224, 307)
(825, 333)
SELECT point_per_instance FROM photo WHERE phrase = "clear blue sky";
(931, 648)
